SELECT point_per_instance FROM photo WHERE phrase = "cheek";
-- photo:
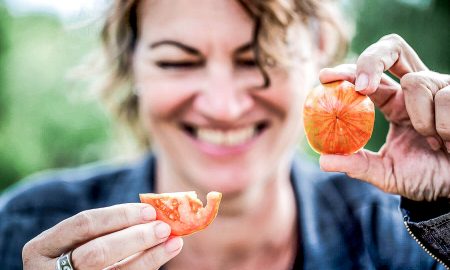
(160, 95)
(153, 108)
(292, 91)
(293, 125)
(301, 81)
(163, 100)
(288, 92)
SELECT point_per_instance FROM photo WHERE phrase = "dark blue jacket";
(343, 223)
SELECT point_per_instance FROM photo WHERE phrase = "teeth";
(230, 138)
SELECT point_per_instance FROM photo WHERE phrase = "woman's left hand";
(414, 162)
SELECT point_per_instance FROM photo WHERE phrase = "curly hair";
(273, 21)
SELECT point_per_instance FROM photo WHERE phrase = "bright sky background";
(65, 9)
(76, 9)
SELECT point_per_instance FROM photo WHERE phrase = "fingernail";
(447, 145)
(148, 213)
(362, 81)
(173, 244)
(162, 230)
(434, 143)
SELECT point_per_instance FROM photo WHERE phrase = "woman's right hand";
(125, 236)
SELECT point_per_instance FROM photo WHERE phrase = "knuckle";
(145, 235)
(83, 225)
(94, 254)
(423, 127)
(393, 38)
(442, 98)
(413, 81)
(371, 59)
(27, 252)
(29, 247)
(153, 259)
(443, 130)
(31, 256)
(369, 56)
(126, 216)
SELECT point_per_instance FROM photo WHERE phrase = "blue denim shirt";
(343, 223)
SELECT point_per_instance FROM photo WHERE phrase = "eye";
(179, 64)
(246, 63)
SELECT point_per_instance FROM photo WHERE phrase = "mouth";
(226, 137)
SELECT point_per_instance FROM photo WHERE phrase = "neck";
(254, 229)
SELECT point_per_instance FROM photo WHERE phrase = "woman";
(219, 87)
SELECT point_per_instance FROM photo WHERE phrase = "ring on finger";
(64, 262)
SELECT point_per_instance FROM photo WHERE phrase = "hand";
(414, 162)
(118, 237)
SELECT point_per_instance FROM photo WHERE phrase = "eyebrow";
(241, 49)
(244, 48)
(182, 46)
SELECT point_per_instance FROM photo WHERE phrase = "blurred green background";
(49, 121)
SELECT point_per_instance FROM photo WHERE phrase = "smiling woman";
(218, 87)
(270, 35)
(203, 85)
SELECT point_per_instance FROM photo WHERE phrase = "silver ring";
(64, 262)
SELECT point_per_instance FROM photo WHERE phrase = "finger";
(387, 98)
(390, 53)
(90, 224)
(419, 90)
(109, 249)
(345, 72)
(153, 258)
(388, 87)
(419, 101)
(364, 165)
(442, 111)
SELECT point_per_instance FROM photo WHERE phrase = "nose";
(223, 98)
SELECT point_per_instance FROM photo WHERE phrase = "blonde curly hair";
(273, 20)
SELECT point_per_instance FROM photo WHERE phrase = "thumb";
(364, 165)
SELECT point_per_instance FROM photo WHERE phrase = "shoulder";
(338, 187)
(68, 189)
(344, 200)
(364, 217)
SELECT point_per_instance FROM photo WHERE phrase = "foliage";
(45, 121)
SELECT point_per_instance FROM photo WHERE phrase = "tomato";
(183, 211)
(338, 119)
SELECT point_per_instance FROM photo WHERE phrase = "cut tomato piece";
(183, 211)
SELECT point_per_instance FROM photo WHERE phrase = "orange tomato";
(337, 119)
(183, 211)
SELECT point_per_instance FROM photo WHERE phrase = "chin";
(228, 180)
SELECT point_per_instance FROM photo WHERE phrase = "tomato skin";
(183, 211)
(337, 119)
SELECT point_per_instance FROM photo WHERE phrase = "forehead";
(195, 20)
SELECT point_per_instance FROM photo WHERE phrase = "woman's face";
(212, 125)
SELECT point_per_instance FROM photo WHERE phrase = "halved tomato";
(338, 119)
(183, 211)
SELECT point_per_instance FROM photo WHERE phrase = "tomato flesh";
(183, 211)
(337, 119)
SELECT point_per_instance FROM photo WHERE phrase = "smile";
(228, 137)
